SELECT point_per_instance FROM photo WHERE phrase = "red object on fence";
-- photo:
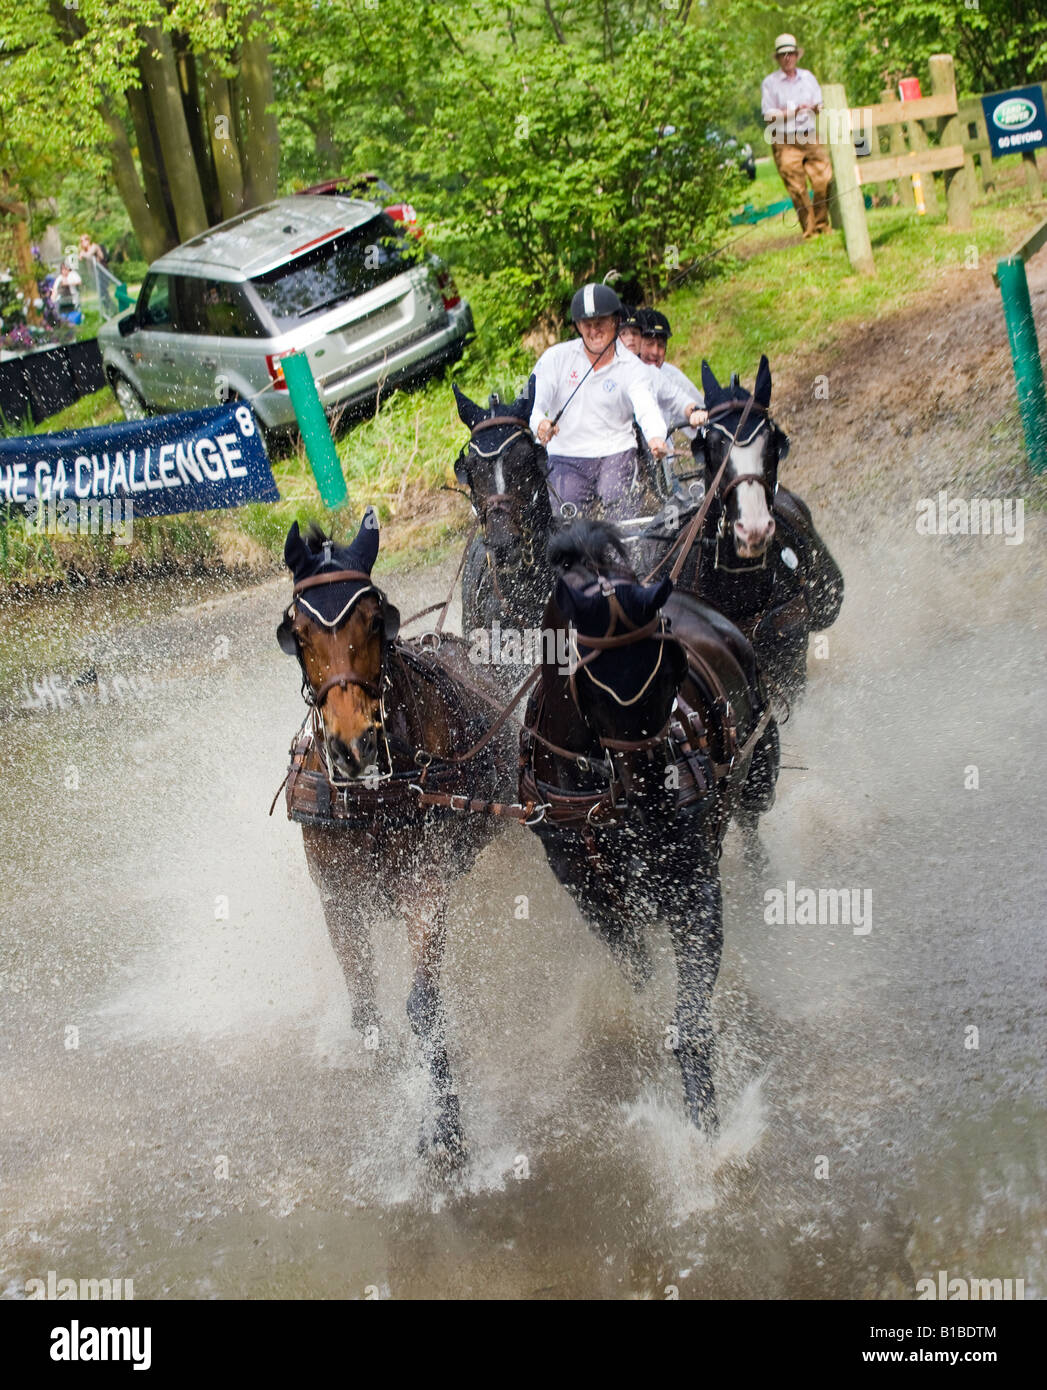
(909, 89)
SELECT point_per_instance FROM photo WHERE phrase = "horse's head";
(630, 670)
(745, 496)
(505, 472)
(338, 625)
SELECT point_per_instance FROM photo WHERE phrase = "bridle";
(505, 503)
(315, 696)
(613, 639)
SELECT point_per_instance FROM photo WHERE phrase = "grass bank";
(768, 292)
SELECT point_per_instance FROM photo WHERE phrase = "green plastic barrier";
(316, 433)
(1025, 353)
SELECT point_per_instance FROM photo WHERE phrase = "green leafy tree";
(173, 99)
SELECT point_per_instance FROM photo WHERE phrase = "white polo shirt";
(781, 93)
(599, 419)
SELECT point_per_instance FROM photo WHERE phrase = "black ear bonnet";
(330, 605)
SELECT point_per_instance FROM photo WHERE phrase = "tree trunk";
(165, 98)
(260, 140)
(157, 194)
(223, 135)
(19, 214)
(193, 104)
(151, 230)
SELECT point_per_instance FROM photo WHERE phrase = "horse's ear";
(468, 411)
(390, 621)
(364, 550)
(714, 392)
(762, 389)
(296, 552)
(285, 637)
(524, 405)
(588, 613)
(642, 601)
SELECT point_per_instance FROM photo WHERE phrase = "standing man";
(586, 394)
(791, 99)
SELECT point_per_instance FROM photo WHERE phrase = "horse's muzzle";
(356, 759)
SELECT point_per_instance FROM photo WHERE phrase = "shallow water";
(157, 910)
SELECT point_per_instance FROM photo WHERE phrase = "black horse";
(758, 559)
(639, 751)
(506, 576)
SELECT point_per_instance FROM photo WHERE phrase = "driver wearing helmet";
(586, 394)
(654, 338)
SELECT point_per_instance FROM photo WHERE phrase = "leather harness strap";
(332, 577)
(687, 539)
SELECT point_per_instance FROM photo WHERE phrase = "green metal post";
(316, 433)
(1025, 353)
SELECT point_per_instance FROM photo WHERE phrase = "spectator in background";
(791, 99)
(90, 250)
(65, 292)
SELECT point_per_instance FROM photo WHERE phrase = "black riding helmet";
(630, 318)
(594, 302)
(653, 324)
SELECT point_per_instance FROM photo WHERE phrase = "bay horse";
(638, 751)
(758, 559)
(378, 778)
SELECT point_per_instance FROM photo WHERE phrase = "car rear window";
(337, 271)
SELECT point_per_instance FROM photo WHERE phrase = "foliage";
(996, 43)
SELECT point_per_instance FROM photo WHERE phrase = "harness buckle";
(540, 813)
(422, 757)
(459, 796)
(433, 644)
(568, 511)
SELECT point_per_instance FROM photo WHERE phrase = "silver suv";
(333, 277)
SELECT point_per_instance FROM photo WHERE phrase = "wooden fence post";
(959, 191)
(835, 121)
(898, 146)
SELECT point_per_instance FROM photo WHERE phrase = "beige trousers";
(796, 164)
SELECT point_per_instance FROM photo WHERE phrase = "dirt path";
(911, 403)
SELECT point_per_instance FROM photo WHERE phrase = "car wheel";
(128, 399)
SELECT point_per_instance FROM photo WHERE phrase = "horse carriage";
(650, 721)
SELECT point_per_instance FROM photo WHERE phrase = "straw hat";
(787, 41)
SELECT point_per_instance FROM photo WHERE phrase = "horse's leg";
(346, 925)
(757, 795)
(595, 888)
(696, 926)
(426, 930)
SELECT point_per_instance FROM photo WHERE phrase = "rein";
(687, 538)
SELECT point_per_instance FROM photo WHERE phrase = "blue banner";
(198, 460)
(1016, 120)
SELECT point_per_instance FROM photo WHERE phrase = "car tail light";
(275, 369)
(448, 289)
